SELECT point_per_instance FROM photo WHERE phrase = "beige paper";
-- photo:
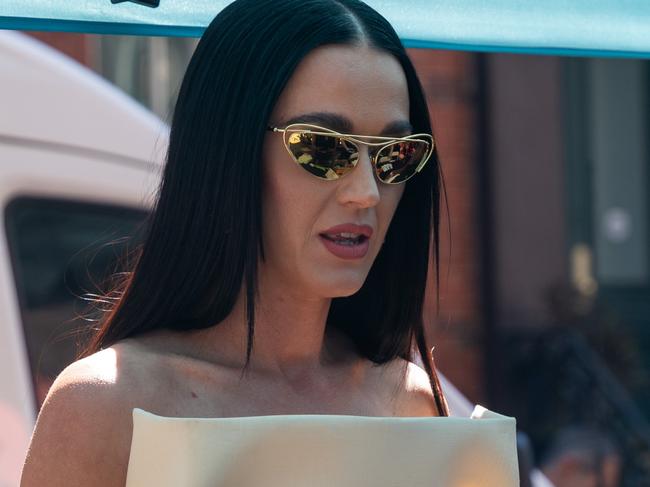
(323, 451)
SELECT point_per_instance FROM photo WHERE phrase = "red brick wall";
(449, 80)
(77, 46)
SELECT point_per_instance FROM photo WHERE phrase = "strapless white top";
(323, 451)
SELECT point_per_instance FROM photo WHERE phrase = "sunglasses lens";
(325, 156)
(397, 162)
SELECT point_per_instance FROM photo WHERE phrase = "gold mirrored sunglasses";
(330, 155)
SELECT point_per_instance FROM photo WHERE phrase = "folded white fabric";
(323, 451)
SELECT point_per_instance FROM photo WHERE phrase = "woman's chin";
(343, 288)
(345, 294)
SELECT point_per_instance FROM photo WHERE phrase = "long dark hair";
(203, 239)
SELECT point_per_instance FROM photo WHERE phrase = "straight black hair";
(203, 239)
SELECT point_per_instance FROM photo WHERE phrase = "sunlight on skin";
(103, 365)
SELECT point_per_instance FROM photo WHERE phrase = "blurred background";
(545, 271)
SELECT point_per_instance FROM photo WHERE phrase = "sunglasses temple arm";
(424, 161)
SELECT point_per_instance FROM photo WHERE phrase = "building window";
(150, 69)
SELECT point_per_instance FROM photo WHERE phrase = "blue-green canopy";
(571, 27)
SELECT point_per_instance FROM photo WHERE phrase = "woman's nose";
(360, 187)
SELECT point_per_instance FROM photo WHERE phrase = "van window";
(61, 251)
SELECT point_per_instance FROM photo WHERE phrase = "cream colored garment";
(323, 451)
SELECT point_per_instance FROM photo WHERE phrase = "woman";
(284, 266)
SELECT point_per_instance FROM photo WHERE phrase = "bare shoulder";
(414, 392)
(83, 432)
(419, 391)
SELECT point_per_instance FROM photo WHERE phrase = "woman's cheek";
(389, 201)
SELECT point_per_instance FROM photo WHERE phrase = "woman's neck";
(291, 337)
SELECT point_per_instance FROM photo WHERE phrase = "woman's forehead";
(353, 88)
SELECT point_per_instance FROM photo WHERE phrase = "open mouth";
(346, 245)
(347, 239)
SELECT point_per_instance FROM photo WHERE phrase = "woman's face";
(350, 89)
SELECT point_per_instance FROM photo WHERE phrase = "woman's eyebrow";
(328, 120)
(342, 124)
(398, 128)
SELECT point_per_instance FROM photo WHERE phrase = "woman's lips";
(356, 250)
(347, 241)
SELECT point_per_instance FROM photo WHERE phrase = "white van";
(79, 163)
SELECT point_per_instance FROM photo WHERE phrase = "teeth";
(345, 238)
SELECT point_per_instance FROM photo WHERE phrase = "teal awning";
(571, 27)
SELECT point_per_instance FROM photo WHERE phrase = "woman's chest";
(196, 392)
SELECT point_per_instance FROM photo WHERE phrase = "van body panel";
(47, 97)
